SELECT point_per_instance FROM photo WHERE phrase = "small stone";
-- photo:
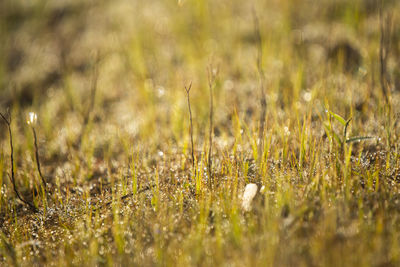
(249, 193)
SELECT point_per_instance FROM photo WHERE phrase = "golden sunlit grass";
(137, 125)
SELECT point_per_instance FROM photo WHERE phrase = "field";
(137, 126)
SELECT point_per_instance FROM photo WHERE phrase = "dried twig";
(37, 159)
(384, 50)
(32, 122)
(187, 89)
(12, 177)
(146, 188)
(93, 90)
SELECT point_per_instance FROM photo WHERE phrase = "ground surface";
(107, 82)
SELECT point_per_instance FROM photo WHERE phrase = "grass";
(139, 172)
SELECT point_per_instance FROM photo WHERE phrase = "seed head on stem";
(32, 120)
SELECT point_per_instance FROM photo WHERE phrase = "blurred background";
(147, 51)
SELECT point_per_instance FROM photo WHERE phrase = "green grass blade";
(338, 118)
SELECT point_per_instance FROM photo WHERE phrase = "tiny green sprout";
(345, 123)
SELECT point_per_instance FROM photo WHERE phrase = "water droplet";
(160, 91)
(307, 96)
(32, 118)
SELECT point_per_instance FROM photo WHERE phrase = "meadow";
(130, 131)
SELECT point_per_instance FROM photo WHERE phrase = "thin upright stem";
(211, 81)
(93, 89)
(383, 55)
(263, 101)
(37, 160)
(191, 126)
(12, 177)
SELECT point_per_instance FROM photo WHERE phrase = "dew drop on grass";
(286, 130)
(160, 91)
(307, 96)
(32, 118)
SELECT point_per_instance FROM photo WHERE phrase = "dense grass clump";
(199, 133)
